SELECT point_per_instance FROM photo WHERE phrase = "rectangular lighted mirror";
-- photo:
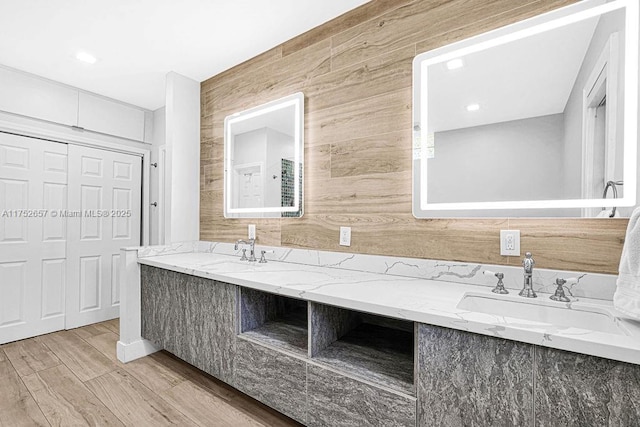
(538, 118)
(263, 160)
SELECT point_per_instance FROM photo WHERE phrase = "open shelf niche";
(375, 348)
(274, 320)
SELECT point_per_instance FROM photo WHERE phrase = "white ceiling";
(530, 77)
(137, 42)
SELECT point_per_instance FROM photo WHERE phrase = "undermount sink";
(235, 265)
(539, 311)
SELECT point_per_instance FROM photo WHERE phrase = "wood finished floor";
(74, 378)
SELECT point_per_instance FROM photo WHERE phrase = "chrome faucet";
(528, 263)
(252, 251)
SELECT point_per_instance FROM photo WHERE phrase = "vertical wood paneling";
(355, 72)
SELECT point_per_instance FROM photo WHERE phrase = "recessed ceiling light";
(473, 107)
(85, 57)
(455, 64)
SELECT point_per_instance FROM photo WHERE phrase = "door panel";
(14, 195)
(55, 162)
(54, 229)
(33, 182)
(90, 201)
(106, 191)
(53, 286)
(122, 224)
(115, 279)
(14, 282)
(91, 166)
(14, 157)
(90, 278)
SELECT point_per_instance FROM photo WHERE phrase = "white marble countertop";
(421, 300)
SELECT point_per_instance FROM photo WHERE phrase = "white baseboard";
(135, 350)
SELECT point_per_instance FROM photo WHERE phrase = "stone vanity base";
(468, 379)
(330, 366)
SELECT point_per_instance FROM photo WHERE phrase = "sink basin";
(544, 313)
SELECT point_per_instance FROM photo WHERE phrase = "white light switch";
(345, 236)
(510, 242)
(252, 231)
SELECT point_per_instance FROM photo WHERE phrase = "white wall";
(182, 176)
(159, 140)
(249, 147)
(468, 165)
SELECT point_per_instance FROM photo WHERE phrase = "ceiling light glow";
(473, 107)
(454, 64)
(86, 57)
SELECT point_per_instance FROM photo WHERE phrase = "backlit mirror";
(537, 119)
(263, 158)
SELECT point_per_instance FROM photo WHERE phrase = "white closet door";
(33, 189)
(105, 188)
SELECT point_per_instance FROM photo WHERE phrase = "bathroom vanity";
(340, 339)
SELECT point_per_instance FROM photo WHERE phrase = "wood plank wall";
(355, 72)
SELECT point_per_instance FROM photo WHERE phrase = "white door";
(250, 185)
(105, 192)
(33, 190)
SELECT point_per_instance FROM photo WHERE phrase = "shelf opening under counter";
(274, 320)
(371, 347)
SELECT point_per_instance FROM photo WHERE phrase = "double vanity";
(337, 339)
(344, 339)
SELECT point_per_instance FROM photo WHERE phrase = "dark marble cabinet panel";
(579, 390)
(163, 306)
(272, 377)
(191, 317)
(211, 323)
(466, 379)
(337, 400)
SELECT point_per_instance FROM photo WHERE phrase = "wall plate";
(345, 236)
(510, 242)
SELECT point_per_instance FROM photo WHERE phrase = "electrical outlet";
(510, 245)
(345, 236)
(510, 242)
(252, 231)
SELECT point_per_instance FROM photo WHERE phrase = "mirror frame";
(296, 100)
(545, 22)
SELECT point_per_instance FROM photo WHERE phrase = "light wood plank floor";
(74, 378)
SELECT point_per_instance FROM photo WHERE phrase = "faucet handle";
(244, 255)
(528, 262)
(263, 260)
(499, 289)
(559, 295)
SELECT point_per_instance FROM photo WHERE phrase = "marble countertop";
(416, 299)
